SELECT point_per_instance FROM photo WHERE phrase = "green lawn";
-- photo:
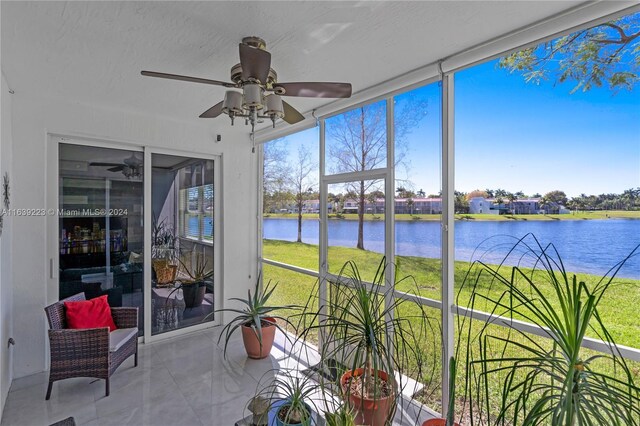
(581, 215)
(619, 310)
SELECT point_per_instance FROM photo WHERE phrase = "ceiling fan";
(130, 167)
(260, 96)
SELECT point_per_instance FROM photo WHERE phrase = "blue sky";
(525, 137)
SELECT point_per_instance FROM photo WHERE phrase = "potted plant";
(361, 331)
(194, 285)
(555, 380)
(256, 320)
(289, 392)
(163, 252)
(288, 398)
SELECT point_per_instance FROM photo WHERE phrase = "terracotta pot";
(437, 422)
(252, 344)
(368, 411)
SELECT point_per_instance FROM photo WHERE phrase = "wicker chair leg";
(107, 387)
(135, 359)
(49, 391)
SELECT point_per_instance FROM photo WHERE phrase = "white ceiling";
(93, 52)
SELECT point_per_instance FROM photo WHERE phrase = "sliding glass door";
(182, 249)
(100, 233)
(101, 224)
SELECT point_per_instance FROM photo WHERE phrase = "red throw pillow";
(92, 313)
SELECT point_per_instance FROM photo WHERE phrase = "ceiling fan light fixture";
(252, 96)
(232, 103)
(274, 107)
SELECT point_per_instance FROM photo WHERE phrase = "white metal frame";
(580, 17)
(217, 242)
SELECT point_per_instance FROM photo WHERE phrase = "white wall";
(6, 280)
(34, 118)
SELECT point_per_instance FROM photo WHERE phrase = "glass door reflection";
(101, 236)
(182, 249)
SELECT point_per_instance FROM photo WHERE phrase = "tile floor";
(181, 381)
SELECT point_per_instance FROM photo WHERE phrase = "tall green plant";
(546, 382)
(361, 328)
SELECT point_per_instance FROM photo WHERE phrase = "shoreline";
(591, 215)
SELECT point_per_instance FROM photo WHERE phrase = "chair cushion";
(92, 313)
(119, 337)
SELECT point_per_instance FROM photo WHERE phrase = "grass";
(580, 215)
(619, 310)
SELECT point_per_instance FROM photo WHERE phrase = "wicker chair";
(90, 352)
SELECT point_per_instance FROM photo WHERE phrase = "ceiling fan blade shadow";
(117, 168)
(291, 115)
(255, 63)
(186, 78)
(213, 112)
(315, 90)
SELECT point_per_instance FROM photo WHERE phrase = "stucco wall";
(34, 119)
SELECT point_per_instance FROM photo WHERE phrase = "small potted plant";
(194, 286)
(256, 320)
(288, 393)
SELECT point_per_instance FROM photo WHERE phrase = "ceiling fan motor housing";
(236, 76)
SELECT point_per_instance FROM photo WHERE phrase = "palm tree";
(512, 198)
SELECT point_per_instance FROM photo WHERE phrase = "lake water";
(590, 246)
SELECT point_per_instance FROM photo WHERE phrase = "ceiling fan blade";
(314, 90)
(212, 112)
(255, 63)
(117, 168)
(105, 164)
(186, 78)
(291, 115)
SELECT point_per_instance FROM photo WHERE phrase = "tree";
(461, 202)
(357, 141)
(512, 199)
(276, 172)
(371, 199)
(402, 192)
(410, 203)
(553, 200)
(302, 183)
(608, 54)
